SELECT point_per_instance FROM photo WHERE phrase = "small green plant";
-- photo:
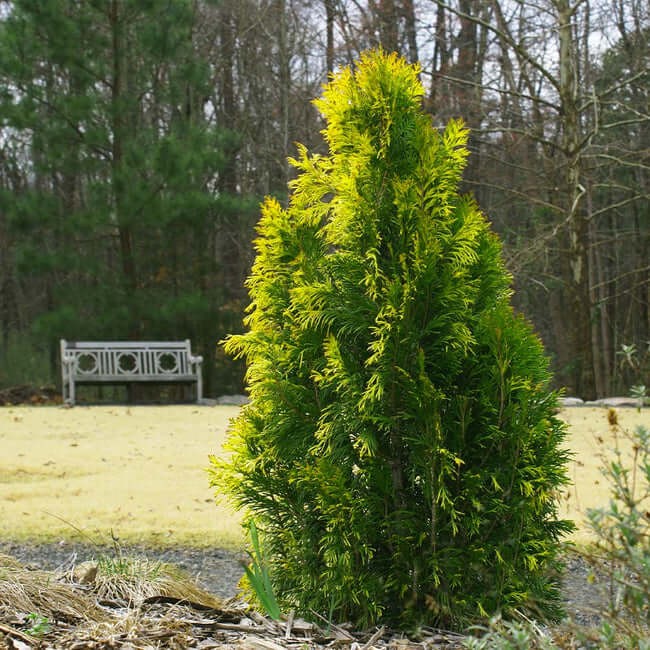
(39, 625)
(622, 548)
(508, 635)
(258, 576)
(640, 392)
(634, 365)
(129, 567)
(628, 356)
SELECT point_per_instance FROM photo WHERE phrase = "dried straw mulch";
(137, 604)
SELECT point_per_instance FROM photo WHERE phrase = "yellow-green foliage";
(400, 454)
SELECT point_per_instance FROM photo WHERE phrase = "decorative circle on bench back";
(127, 363)
(87, 363)
(167, 363)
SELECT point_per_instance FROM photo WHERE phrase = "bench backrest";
(115, 359)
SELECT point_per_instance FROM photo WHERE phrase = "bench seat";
(126, 362)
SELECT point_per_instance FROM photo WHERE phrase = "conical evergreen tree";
(400, 452)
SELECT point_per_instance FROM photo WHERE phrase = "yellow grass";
(590, 437)
(140, 472)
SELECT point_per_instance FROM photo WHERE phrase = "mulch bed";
(136, 604)
(29, 394)
(140, 602)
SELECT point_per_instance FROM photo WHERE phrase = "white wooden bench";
(126, 362)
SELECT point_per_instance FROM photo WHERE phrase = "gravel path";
(219, 570)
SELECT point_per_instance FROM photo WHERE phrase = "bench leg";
(67, 386)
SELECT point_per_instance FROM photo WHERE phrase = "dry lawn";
(140, 472)
(591, 440)
(137, 471)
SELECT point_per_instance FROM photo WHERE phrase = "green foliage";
(622, 548)
(38, 625)
(400, 453)
(118, 220)
(24, 360)
(634, 366)
(258, 576)
(640, 392)
(509, 635)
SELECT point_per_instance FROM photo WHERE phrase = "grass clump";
(132, 579)
(38, 593)
(102, 603)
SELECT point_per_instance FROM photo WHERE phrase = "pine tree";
(400, 454)
(119, 216)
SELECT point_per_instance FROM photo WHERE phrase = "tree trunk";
(411, 31)
(228, 174)
(388, 26)
(440, 63)
(580, 307)
(119, 135)
(329, 28)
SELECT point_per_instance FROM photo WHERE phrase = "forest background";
(137, 138)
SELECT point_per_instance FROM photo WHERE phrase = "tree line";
(137, 140)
